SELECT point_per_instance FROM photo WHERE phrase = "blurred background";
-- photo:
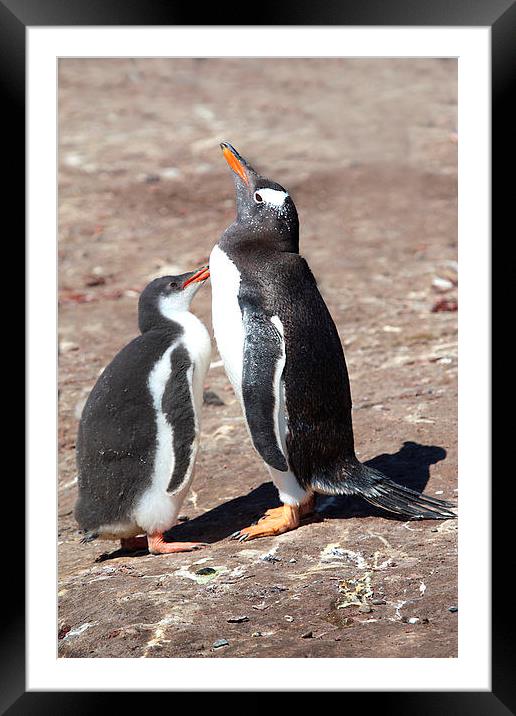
(368, 151)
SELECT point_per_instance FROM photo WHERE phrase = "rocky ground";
(367, 149)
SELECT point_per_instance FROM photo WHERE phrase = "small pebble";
(261, 607)
(365, 609)
(270, 558)
(73, 160)
(63, 631)
(410, 620)
(238, 620)
(206, 570)
(378, 601)
(170, 173)
(442, 284)
(183, 518)
(289, 618)
(292, 561)
(307, 635)
(453, 609)
(220, 642)
(95, 281)
(444, 305)
(68, 346)
(257, 633)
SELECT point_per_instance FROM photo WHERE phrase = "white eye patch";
(270, 196)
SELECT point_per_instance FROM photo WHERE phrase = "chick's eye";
(258, 197)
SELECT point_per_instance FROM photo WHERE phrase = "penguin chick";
(139, 430)
(282, 353)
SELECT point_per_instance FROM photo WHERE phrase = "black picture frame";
(500, 16)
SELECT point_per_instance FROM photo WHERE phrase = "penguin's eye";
(172, 284)
(258, 197)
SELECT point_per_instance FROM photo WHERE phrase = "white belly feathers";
(229, 333)
(227, 317)
(156, 510)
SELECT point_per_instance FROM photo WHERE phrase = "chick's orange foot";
(157, 545)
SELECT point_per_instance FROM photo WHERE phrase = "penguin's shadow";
(410, 467)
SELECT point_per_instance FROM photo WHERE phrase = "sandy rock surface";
(367, 149)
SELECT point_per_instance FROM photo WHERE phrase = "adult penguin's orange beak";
(235, 161)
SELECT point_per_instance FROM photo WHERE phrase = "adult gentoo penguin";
(139, 429)
(284, 358)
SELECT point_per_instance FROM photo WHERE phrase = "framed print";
(266, 573)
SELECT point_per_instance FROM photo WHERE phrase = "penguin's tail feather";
(381, 492)
(403, 501)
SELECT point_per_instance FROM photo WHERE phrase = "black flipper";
(264, 360)
(381, 492)
(177, 404)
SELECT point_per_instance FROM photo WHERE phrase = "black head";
(166, 297)
(265, 211)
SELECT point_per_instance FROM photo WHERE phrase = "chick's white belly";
(156, 509)
(227, 316)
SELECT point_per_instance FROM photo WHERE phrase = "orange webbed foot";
(275, 521)
(305, 510)
(157, 545)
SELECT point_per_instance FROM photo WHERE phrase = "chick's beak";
(201, 275)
